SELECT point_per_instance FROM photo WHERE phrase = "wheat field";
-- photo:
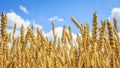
(97, 49)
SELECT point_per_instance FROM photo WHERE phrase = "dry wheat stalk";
(36, 51)
(94, 39)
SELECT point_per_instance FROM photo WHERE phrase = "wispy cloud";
(55, 18)
(23, 9)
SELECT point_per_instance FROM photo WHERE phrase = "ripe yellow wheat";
(99, 50)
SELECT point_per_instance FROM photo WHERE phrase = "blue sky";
(43, 11)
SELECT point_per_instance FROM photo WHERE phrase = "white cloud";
(14, 18)
(55, 18)
(35, 25)
(58, 31)
(115, 13)
(23, 9)
(16, 33)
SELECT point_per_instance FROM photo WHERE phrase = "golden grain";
(34, 50)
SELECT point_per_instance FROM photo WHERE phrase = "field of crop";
(97, 49)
